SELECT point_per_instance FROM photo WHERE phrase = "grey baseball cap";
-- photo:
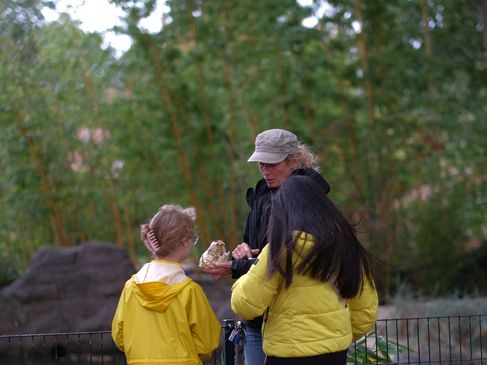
(273, 146)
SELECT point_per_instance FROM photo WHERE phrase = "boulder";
(70, 294)
(73, 289)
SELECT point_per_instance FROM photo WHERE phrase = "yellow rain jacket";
(306, 319)
(163, 317)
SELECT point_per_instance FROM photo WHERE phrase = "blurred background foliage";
(392, 95)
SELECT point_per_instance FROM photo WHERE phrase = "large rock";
(66, 290)
(76, 289)
(70, 294)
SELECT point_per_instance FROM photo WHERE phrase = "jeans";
(253, 347)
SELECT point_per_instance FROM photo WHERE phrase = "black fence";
(428, 340)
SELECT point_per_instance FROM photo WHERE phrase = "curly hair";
(304, 157)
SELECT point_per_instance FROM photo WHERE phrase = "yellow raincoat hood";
(157, 296)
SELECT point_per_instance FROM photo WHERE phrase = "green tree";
(391, 95)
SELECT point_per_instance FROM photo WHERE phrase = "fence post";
(228, 346)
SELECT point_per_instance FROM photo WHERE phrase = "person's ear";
(186, 242)
(292, 163)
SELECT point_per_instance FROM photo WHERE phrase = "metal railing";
(424, 340)
(427, 340)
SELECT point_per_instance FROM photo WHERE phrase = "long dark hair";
(301, 205)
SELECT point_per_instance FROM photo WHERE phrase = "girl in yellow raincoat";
(163, 317)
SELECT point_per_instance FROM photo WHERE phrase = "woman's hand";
(244, 252)
(219, 270)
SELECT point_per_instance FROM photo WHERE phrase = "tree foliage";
(391, 95)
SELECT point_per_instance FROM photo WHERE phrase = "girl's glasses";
(195, 239)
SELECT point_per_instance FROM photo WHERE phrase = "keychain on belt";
(238, 333)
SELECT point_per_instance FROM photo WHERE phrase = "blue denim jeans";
(253, 347)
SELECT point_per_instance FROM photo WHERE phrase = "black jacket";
(259, 200)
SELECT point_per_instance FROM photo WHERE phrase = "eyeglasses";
(195, 239)
(263, 165)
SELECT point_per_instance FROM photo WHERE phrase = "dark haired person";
(279, 154)
(313, 280)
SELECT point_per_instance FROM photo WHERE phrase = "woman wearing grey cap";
(279, 154)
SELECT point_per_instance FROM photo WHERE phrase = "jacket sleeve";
(253, 293)
(117, 323)
(363, 310)
(249, 197)
(241, 267)
(205, 326)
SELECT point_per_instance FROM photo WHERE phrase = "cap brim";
(267, 157)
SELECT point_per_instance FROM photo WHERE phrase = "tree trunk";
(482, 4)
(159, 73)
(307, 108)
(362, 46)
(227, 74)
(364, 60)
(108, 186)
(427, 43)
(213, 185)
(46, 186)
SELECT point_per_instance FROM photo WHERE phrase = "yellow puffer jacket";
(306, 319)
(163, 317)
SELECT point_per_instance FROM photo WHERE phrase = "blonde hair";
(170, 225)
(304, 158)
